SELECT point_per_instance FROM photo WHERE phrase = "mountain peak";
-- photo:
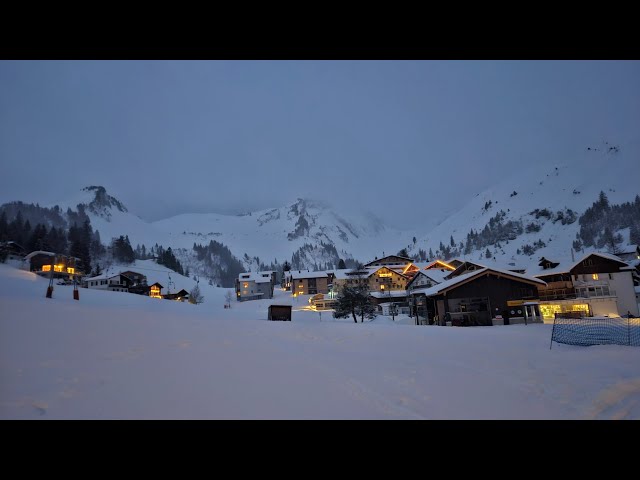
(102, 203)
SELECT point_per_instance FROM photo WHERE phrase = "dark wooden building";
(280, 312)
(180, 296)
(478, 296)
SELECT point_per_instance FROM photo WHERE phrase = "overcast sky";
(169, 137)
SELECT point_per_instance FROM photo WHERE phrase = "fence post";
(552, 330)
(629, 328)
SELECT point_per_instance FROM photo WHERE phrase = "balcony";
(557, 294)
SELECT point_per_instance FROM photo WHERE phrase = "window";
(610, 277)
(588, 262)
(594, 276)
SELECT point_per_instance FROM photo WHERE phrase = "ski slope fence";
(588, 331)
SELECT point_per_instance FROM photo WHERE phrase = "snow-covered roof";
(103, 276)
(39, 252)
(466, 276)
(345, 273)
(566, 267)
(298, 274)
(436, 275)
(257, 277)
(390, 293)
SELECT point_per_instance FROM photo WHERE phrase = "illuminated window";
(58, 268)
(384, 274)
(46, 268)
(155, 292)
(246, 285)
(71, 270)
(595, 276)
(381, 287)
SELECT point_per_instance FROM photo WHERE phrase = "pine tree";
(341, 265)
(487, 254)
(353, 301)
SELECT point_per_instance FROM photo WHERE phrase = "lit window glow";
(155, 292)
(58, 268)
(46, 268)
(595, 276)
(71, 270)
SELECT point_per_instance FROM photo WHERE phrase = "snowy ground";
(117, 355)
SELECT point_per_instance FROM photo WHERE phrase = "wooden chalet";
(477, 296)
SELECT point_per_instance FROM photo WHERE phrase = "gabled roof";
(568, 267)
(463, 266)
(302, 274)
(345, 273)
(406, 259)
(438, 264)
(39, 252)
(156, 284)
(448, 284)
(374, 270)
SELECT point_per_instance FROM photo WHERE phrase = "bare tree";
(195, 296)
(227, 297)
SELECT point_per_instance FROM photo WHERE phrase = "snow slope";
(544, 185)
(122, 356)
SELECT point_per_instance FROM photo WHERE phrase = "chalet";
(180, 296)
(597, 284)
(465, 267)
(155, 290)
(309, 283)
(387, 279)
(53, 264)
(389, 261)
(112, 282)
(135, 277)
(427, 278)
(254, 286)
(348, 276)
(476, 296)
(322, 302)
(398, 297)
(630, 254)
(12, 251)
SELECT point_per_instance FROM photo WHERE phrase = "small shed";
(280, 312)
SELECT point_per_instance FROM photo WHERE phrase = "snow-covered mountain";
(540, 205)
(312, 232)
(532, 212)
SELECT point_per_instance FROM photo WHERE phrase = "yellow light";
(446, 264)
(381, 287)
(58, 268)
(384, 274)
(549, 310)
(595, 276)
(246, 285)
(71, 270)
(46, 268)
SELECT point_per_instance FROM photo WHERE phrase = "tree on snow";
(195, 296)
(354, 300)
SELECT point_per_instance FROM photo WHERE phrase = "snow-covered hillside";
(271, 234)
(116, 355)
(567, 187)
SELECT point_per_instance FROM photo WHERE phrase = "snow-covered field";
(122, 356)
